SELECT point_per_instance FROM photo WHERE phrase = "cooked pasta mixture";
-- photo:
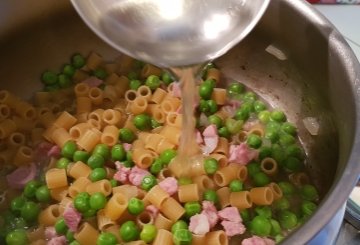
(89, 161)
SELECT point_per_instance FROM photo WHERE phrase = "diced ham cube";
(176, 90)
(209, 210)
(50, 232)
(230, 214)
(210, 131)
(233, 228)
(72, 217)
(211, 139)
(122, 173)
(60, 240)
(229, 109)
(242, 154)
(154, 211)
(93, 81)
(255, 240)
(54, 151)
(136, 175)
(20, 176)
(169, 185)
(199, 138)
(199, 224)
(127, 146)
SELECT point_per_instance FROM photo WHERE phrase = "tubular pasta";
(78, 130)
(222, 159)
(94, 60)
(89, 140)
(114, 229)
(81, 89)
(172, 209)
(79, 185)
(129, 191)
(161, 222)
(139, 242)
(24, 155)
(219, 96)
(56, 178)
(158, 96)
(144, 218)
(116, 206)
(96, 115)
(172, 134)
(138, 106)
(121, 85)
(225, 175)
(16, 139)
(269, 166)
(163, 237)
(299, 179)
(36, 135)
(157, 196)
(214, 74)
(4, 111)
(49, 216)
(80, 75)
(163, 145)
(153, 142)
(156, 112)
(241, 199)
(7, 127)
(224, 196)
(276, 190)
(102, 186)
(83, 105)
(222, 147)
(144, 92)
(261, 195)
(42, 98)
(112, 117)
(257, 129)
(22, 124)
(59, 193)
(64, 202)
(78, 170)
(46, 118)
(86, 234)
(217, 238)
(60, 136)
(65, 120)
(130, 96)
(149, 69)
(188, 193)
(170, 104)
(242, 173)
(96, 95)
(124, 64)
(8, 98)
(142, 158)
(110, 135)
(103, 221)
(204, 182)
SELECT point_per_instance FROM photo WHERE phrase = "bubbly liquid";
(189, 154)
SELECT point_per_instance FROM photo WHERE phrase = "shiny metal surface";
(320, 78)
(172, 33)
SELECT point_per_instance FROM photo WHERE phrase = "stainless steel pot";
(320, 78)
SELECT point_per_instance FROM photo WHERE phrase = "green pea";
(264, 116)
(273, 125)
(129, 231)
(132, 75)
(51, 88)
(100, 73)
(17, 237)
(74, 243)
(278, 116)
(17, 203)
(43, 194)
(182, 237)
(154, 123)
(61, 227)
(64, 81)
(153, 82)
(148, 182)
(142, 122)
(211, 165)
(30, 211)
(236, 185)
(294, 151)
(118, 153)
(180, 224)
(286, 139)
(275, 227)
(96, 161)
(129, 156)
(49, 78)
(233, 126)
(97, 201)
(308, 208)
(260, 226)
(167, 155)
(148, 233)
(287, 188)
(82, 156)
(89, 213)
(216, 120)
(250, 96)
(293, 164)
(192, 208)
(204, 106)
(253, 168)
(156, 166)
(18, 223)
(184, 181)
(242, 114)
(126, 135)
(211, 195)
(135, 84)
(212, 82)
(97, 174)
(113, 182)
(62, 163)
(278, 154)
(69, 70)
(30, 188)
(69, 236)
(235, 88)
(224, 132)
(264, 211)
(106, 238)
(309, 192)
(205, 91)
(135, 206)
(245, 215)
(281, 204)
(259, 106)
(78, 61)
(69, 149)
(82, 202)
(261, 179)
(287, 219)
(254, 141)
(272, 135)
(103, 150)
(288, 128)
(264, 151)
(166, 78)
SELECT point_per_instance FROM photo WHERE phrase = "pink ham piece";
(249, 124)
(122, 173)
(229, 109)
(176, 90)
(136, 175)
(233, 228)
(199, 224)
(93, 81)
(199, 138)
(55, 151)
(230, 214)
(169, 185)
(242, 154)
(20, 176)
(60, 240)
(41, 151)
(72, 217)
(154, 211)
(127, 146)
(50, 232)
(209, 210)
(255, 240)
(211, 139)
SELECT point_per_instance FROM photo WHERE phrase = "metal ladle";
(171, 33)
